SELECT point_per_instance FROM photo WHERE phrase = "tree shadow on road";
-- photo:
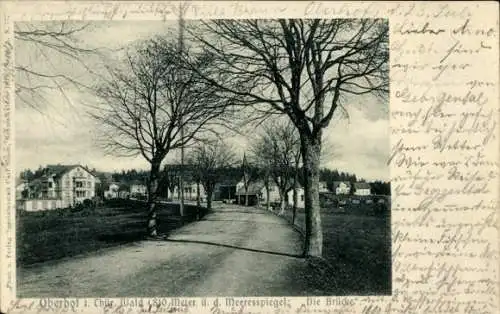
(235, 247)
(236, 211)
(246, 221)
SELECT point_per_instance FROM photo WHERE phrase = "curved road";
(234, 251)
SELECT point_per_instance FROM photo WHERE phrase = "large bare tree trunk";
(198, 196)
(198, 201)
(282, 202)
(246, 196)
(179, 190)
(311, 153)
(295, 189)
(209, 193)
(295, 202)
(268, 195)
(152, 228)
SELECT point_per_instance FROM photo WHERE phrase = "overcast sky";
(61, 132)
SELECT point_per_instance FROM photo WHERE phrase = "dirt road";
(234, 251)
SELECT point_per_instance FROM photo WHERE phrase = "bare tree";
(209, 161)
(250, 174)
(171, 173)
(277, 148)
(196, 176)
(146, 104)
(38, 43)
(265, 167)
(304, 69)
(296, 186)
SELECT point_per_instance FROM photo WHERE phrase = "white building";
(138, 189)
(341, 187)
(274, 194)
(190, 192)
(60, 186)
(362, 189)
(240, 185)
(300, 197)
(323, 187)
(112, 191)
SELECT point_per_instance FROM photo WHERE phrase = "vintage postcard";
(249, 157)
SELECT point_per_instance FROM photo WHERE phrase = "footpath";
(234, 251)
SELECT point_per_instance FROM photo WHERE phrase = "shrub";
(88, 203)
(78, 207)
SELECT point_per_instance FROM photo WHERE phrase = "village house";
(341, 187)
(274, 194)
(300, 197)
(138, 190)
(21, 190)
(323, 187)
(301, 193)
(112, 191)
(190, 191)
(362, 189)
(59, 186)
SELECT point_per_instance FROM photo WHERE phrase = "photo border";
(406, 296)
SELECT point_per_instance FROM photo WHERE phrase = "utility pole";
(181, 51)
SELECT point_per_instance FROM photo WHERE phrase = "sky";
(60, 131)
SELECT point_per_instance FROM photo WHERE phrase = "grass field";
(54, 234)
(356, 251)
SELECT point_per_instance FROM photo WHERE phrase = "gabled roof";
(59, 170)
(361, 185)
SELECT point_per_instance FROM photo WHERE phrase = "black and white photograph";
(202, 158)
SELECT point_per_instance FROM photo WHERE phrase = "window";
(302, 197)
(80, 193)
(79, 184)
(50, 185)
